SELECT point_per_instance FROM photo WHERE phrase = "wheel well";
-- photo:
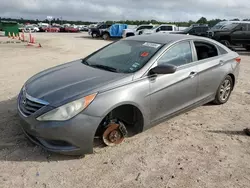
(130, 34)
(225, 38)
(105, 33)
(233, 78)
(130, 115)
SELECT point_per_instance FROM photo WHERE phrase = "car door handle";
(192, 74)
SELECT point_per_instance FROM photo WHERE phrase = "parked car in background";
(83, 28)
(164, 28)
(30, 28)
(20, 27)
(195, 29)
(71, 29)
(232, 33)
(97, 31)
(136, 31)
(123, 89)
(52, 29)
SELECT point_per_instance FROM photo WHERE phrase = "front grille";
(28, 106)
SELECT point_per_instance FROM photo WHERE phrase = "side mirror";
(163, 69)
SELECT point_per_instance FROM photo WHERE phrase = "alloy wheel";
(225, 90)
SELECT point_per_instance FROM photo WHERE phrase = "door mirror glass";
(163, 69)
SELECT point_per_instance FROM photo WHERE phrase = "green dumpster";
(9, 27)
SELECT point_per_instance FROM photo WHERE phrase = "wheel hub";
(112, 135)
(225, 90)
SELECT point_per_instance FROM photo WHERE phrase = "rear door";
(211, 68)
(240, 35)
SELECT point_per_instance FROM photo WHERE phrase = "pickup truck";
(97, 31)
(232, 34)
(136, 31)
(164, 28)
(195, 29)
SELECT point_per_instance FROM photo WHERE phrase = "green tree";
(202, 20)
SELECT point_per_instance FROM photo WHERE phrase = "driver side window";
(139, 28)
(179, 54)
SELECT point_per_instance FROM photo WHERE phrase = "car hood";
(65, 82)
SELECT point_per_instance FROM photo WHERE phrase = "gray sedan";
(123, 89)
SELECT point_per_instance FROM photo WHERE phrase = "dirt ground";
(202, 148)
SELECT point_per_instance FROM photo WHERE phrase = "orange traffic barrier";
(33, 40)
(23, 36)
(30, 37)
(34, 45)
(13, 36)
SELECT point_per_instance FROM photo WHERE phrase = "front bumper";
(72, 137)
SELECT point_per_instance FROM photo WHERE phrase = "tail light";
(238, 59)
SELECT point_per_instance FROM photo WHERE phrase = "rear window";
(125, 56)
(221, 50)
(205, 50)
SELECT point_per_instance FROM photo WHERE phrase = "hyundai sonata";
(124, 88)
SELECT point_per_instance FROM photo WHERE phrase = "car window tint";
(125, 56)
(222, 50)
(166, 28)
(143, 27)
(179, 54)
(205, 50)
(102, 27)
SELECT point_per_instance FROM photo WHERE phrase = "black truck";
(232, 34)
(97, 31)
(195, 29)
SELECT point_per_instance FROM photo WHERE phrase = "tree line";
(202, 20)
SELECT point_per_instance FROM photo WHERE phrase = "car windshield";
(155, 27)
(229, 26)
(187, 29)
(125, 56)
(224, 25)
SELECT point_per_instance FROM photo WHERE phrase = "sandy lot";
(202, 148)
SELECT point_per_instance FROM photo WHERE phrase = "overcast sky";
(101, 10)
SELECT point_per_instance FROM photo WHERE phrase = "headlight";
(68, 110)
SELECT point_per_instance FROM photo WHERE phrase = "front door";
(173, 92)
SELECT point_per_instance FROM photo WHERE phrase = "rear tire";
(225, 42)
(224, 91)
(105, 36)
(94, 35)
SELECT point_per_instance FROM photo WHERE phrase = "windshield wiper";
(104, 67)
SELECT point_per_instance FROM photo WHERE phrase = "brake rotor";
(112, 135)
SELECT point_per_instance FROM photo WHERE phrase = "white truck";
(164, 28)
(136, 31)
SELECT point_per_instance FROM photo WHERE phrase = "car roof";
(162, 38)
